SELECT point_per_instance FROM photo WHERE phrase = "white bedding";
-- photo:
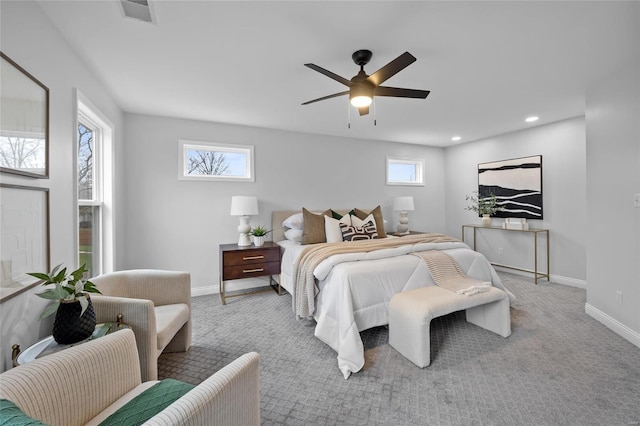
(355, 290)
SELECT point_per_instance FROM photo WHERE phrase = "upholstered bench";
(411, 312)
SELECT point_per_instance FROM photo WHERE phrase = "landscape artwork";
(517, 185)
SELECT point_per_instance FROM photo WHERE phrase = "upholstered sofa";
(156, 305)
(84, 384)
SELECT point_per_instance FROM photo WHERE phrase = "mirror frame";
(45, 109)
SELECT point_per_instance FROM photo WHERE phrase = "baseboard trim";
(558, 279)
(234, 285)
(613, 324)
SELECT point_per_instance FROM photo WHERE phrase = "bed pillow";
(356, 233)
(377, 214)
(332, 227)
(356, 221)
(293, 222)
(313, 227)
(293, 235)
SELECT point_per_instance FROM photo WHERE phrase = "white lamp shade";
(244, 205)
(403, 204)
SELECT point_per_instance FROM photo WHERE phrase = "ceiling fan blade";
(329, 74)
(392, 68)
(400, 93)
(326, 97)
(363, 110)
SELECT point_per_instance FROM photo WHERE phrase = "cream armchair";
(84, 384)
(155, 304)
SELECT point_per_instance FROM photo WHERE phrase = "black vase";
(69, 327)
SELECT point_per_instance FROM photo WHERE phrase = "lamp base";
(244, 240)
(403, 227)
(244, 229)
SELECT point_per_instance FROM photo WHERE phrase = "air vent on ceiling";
(138, 9)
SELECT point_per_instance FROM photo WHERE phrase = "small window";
(215, 161)
(405, 171)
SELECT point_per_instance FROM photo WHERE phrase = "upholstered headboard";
(278, 216)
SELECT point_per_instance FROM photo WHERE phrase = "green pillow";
(149, 403)
(12, 415)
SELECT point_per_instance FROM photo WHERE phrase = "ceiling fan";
(363, 87)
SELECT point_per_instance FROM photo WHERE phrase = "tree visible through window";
(207, 163)
(85, 163)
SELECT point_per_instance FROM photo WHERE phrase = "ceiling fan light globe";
(361, 101)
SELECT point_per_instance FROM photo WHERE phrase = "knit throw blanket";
(304, 285)
(447, 273)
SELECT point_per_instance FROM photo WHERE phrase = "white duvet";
(355, 290)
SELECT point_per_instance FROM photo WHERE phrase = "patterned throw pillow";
(377, 214)
(368, 231)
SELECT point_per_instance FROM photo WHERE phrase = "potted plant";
(484, 206)
(259, 232)
(75, 318)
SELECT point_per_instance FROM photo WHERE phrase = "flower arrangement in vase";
(484, 206)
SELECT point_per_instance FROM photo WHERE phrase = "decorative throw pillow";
(11, 414)
(313, 227)
(377, 214)
(356, 221)
(293, 222)
(355, 233)
(293, 235)
(332, 228)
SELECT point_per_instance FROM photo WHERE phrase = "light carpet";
(559, 366)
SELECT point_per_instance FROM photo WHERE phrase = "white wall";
(177, 224)
(28, 37)
(562, 146)
(613, 177)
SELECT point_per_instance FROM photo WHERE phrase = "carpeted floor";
(559, 367)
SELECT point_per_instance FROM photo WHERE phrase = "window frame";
(419, 165)
(185, 145)
(103, 195)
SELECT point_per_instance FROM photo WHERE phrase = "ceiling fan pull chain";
(349, 115)
(374, 112)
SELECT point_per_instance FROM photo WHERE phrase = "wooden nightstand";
(248, 262)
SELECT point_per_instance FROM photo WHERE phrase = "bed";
(353, 289)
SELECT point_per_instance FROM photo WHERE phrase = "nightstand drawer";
(250, 270)
(249, 257)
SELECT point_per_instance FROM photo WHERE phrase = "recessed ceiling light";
(456, 138)
(531, 119)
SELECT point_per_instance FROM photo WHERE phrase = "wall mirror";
(24, 122)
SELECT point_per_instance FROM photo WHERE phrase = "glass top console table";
(536, 273)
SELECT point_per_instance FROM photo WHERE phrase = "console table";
(536, 274)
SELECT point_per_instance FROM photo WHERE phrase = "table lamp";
(244, 206)
(403, 205)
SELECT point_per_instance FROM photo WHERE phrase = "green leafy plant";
(483, 205)
(68, 286)
(259, 231)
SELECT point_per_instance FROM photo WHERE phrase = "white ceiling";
(488, 65)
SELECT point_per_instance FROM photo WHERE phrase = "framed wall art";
(516, 183)
(24, 237)
(24, 122)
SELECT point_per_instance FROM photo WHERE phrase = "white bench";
(411, 312)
